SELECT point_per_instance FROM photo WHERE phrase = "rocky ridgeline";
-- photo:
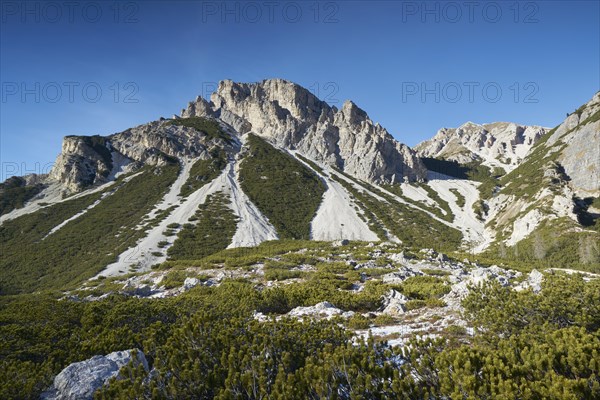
(293, 118)
(90, 160)
(500, 144)
(285, 113)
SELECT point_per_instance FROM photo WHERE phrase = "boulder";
(80, 380)
(393, 303)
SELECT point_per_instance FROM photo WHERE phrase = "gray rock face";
(293, 118)
(399, 276)
(83, 161)
(581, 156)
(79, 381)
(146, 142)
(500, 144)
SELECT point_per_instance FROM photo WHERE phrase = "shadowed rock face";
(80, 380)
(293, 118)
(83, 161)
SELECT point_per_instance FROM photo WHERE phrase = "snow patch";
(120, 163)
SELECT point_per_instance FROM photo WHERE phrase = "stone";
(320, 310)
(399, 276)
(80, 380)
(441, 257)
(394, 303)
(189, 283)
(341, 242)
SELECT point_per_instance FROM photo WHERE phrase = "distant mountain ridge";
(499, 144)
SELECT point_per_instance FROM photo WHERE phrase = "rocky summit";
(293, 118)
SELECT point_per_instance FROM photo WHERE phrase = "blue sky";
(413, 66)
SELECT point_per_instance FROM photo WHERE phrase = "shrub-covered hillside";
(286, 191)
(207, 344)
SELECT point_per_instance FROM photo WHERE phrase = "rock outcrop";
(293, 118)
(394, 303)
(580, 158)
(90, 160)
(499, 144)
(83, 161)
(80, 380)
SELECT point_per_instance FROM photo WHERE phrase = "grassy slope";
(559, 243)
(198, 340)
(209, 127)
(286, 192)
(85, 245)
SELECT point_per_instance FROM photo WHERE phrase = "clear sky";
(100, 67)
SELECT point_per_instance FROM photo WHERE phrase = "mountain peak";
(291, 117)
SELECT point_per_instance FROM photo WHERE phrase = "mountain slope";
(269, 161)
(548, 207)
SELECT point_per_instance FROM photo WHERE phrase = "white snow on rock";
(80, 380)
(120, 164)
(321, 310)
